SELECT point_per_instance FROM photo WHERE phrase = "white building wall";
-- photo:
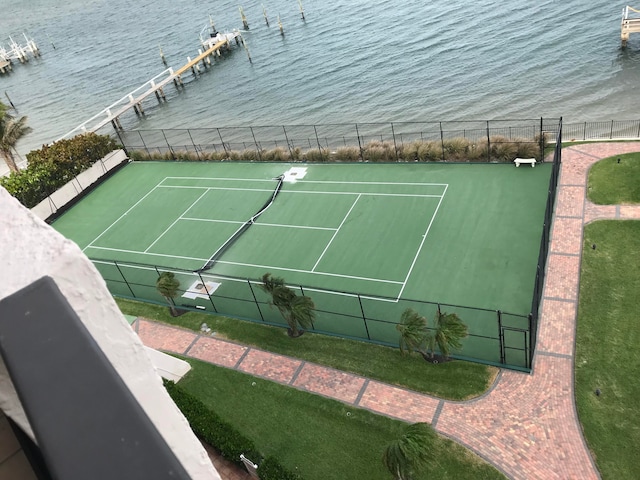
(30, 249)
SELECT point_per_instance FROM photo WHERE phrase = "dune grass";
(456, 380)
(611, 183)
(317, 437)
(608, 336)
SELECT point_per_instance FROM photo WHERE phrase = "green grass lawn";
(608, 337)
(317, 437)
(611, 183)
(456, 380)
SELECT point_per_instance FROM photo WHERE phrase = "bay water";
(348, 61)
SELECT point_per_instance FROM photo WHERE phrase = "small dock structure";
(133, 100)
(17, 51)
(630, 24)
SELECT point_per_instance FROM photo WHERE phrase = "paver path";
(526, 425)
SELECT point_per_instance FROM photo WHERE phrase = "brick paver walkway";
(526, 425)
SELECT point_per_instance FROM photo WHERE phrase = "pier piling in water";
(245, 23)
(301, 10)
(280, 26)
(264, 13)
(628, 25)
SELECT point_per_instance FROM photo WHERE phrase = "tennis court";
(458, 234)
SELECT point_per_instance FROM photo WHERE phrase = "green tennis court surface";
(460, 234)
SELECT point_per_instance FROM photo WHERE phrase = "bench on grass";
(518, 161)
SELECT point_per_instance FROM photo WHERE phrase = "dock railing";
(109, 113)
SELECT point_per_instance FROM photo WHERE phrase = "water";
(355, 61)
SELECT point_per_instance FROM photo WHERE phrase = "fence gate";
(514, 346)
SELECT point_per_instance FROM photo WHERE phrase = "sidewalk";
(526, 425)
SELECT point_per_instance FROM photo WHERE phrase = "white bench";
(531, 161)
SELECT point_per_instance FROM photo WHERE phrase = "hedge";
(223, 436)
(54, 165)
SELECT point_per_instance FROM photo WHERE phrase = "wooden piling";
(164, 60)
(244, 19)
(301, 10)
(264, 13)
(280, 26)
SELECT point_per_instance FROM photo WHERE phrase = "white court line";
(175, 221)
(312, 181)
(267, 267)
(336, 233)
(152, 254)
(258, 224)
(121, 216)
(263, 267)
(424, 237)
(370, 194)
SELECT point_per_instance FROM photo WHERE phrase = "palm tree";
(167, 284)
(11, 130)
(410, 453)
(298, 311)
(447, 333)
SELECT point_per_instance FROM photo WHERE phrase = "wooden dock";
(628, 25)
(133, 100)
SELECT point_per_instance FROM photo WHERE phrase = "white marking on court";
(263, 267)
(424, 237)
(312, 181)
(371, 194)
(336, 233)
(268, 267)
(176, 221)
(148, 253)
(121, 216)
(259, 224)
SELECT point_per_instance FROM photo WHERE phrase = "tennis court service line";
(336, 232)
(258, 224)
(262, 267)
(371, 194)
(335, 182)
(176, 220)
(122, 216)
(424, 237)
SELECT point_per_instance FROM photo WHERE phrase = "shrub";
(315, 155)
(502, 149)
(456, 149)
(270, 469)
(54, 165)
(379, 152)
(277, 154)
(347, 154)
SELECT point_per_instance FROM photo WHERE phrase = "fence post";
(302, 291)
(584, 132)
(638, 135)
(288, 144)
(359, 144)
(441, 140)
(488, 143)
(395, 146)
(500, 336)
(207, 290)
(256, 142)
(124, 278)
(611, 131)
(193, 143)
(532, 341)
(255, 299)
(222, 141)
(167, 142)
(124, 147)
(144, 144)
(541, 142)
(364, 318)
(315, 130)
